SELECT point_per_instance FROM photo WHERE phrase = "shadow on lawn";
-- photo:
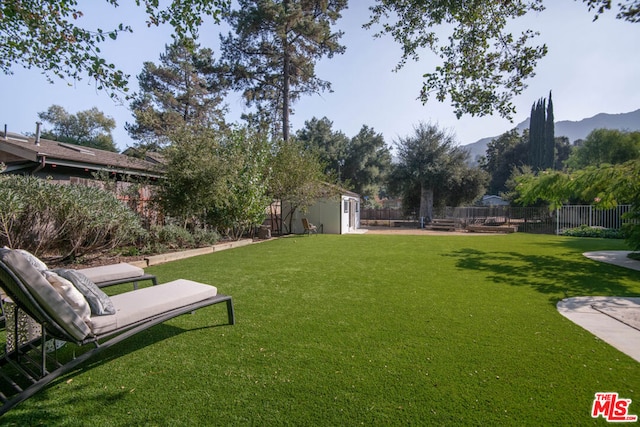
(45, 412)
(588, 244)
(48, 410)
(558, 277)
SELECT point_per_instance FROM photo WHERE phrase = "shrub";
(174, 237)
(204, 237)
(69, 220)
(163, 238)
(632, 226)
(586, 231)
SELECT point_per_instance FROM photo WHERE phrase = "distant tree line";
(269, 56)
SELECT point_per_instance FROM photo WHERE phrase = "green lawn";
(365, 330)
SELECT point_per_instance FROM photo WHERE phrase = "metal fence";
(576, 215)
(527, 219)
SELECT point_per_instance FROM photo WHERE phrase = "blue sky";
(591, 67)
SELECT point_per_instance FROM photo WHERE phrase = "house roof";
(19, 150)
(336, 189)
(150, 156)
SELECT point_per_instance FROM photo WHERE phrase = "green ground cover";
(365, 330)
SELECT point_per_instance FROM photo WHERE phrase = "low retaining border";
(174, 256)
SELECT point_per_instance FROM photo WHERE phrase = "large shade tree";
(503, 155)
(482, 64)
(509, 154)
(50, 35)
(428, 161)
(272, 51)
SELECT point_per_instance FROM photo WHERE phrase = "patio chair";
(29, 367)
(308, 227)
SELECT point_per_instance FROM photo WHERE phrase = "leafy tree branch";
(49, 35)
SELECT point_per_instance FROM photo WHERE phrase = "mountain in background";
(572, 130)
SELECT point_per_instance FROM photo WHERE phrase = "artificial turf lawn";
(368, 330)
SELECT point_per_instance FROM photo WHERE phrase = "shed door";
(352, 214)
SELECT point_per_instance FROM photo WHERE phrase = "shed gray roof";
(336, 189)
(15, 148)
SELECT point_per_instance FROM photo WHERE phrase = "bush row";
(586, 231)
(71, 221)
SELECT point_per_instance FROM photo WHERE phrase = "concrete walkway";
(615, 320)
(618, 258)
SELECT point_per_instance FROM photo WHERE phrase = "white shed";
(336, 214)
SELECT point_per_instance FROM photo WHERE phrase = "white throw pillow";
(69, 293)
(33, 260)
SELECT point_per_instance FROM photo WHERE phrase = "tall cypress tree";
(541, 135)
(536, 135)
(540, 123)
(532, 138)
(549, 137)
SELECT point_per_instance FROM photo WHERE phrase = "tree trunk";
(426, 204)
(285, 84)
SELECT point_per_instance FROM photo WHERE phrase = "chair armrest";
(133, 280)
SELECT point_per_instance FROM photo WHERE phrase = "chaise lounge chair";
(29, 368)
(114, 274)
(104, 276)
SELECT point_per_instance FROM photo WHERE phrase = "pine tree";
(181, 91)
(272, 55)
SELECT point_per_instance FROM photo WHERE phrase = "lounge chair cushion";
(70, 294)
(135, 306)
(45, 294)
(99, 302)
(108, 273)
(33, 260)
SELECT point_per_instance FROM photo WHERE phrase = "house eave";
(20, 152)
(106, 168)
